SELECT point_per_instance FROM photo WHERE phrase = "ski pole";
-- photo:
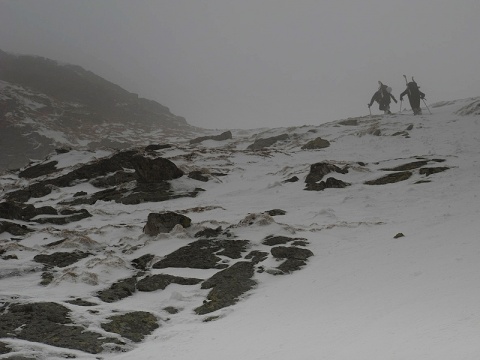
(426, 106)
(370, 111)
(400, 106)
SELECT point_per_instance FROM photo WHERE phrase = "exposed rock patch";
(49, 323)
(61, 259)
(263, 143)
(319, 170)
(164, 222)
(390, 178)
(223, 136)
(316, 144)
(203, 254)
(133, 326)
(227, 286)
(161, 281)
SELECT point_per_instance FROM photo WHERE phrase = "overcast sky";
(257, 63)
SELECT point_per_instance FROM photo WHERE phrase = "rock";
(227, 286)
(277, 240)
(263, 143)
(133, 326)
(161, 281)
(290, 265)
(349, 122)
(155, 170)
(208, 233)
(391, 178)
(118, 291)
(164, 222)
(257, 256)
(333, 183)
(143, 262)
(432, 170)
(4, 348)
(155, 147)
(292, 179)
(202, 254)
(197, 175)
(223, 136)
(276, 212)
(315, 144)
(61, 259)
(295, 258)
(319, 170)
(399, 235)
(14, 229)
(39, 170)
(292, 252)
(49, 323)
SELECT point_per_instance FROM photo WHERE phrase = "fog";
(257, 63)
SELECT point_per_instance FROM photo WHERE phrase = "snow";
(365, 294)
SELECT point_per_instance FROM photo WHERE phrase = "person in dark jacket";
(383, 97)
(414, 95)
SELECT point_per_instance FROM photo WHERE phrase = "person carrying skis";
(383, 97)
(414, 95)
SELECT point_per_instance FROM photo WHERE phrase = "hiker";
(414, 95)
(383, 97)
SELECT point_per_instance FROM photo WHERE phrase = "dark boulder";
(319, 170)
(155, 170)
(164, 222)
(315, 144)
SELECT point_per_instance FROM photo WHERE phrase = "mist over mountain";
(46, 105)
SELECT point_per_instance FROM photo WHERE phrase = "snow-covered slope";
(395, 268)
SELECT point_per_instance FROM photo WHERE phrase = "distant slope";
(45, 105)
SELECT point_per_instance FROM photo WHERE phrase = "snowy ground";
(364, 295)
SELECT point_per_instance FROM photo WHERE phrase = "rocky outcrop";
(222, 137)
(165, 222)
(61, 259)
(155, 170)
(260, 144)
(133, 325)
(316, 144)
(319, 170)
(161, 281)
(227, 286)
(390, 178)
(203, 254)
(50, 323)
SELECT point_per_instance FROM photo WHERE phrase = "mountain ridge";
(39, 96)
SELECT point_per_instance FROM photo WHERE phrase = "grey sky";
(257, 63)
